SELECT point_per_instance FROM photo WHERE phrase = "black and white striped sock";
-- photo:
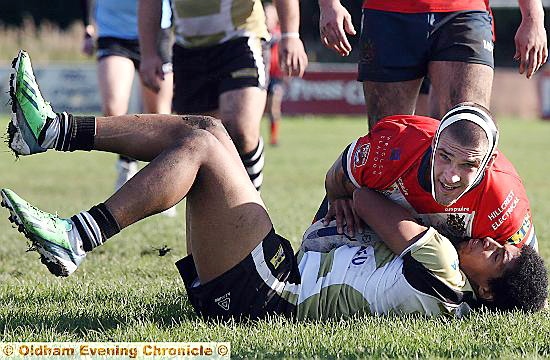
(254, 164)
(68, 133)
(95, 226)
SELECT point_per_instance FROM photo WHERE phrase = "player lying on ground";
(465, 187)
(237, 264)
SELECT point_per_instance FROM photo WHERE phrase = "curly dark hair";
(523, 287)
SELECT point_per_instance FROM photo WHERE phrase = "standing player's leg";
(392, 62)
(456, 82)
(115, 74)
(461, 62)
(242, 102)
(275, 94)
(390, 98)
(241, 112)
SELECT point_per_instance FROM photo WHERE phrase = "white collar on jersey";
(479, 117)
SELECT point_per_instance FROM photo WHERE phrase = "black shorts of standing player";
(112, 46)
(394, 46)
(202, 74)
(248, 290)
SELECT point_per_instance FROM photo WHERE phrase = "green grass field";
(124, 291)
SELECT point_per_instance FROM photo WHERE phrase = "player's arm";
(393, 223)
(530, 39)
(292, 56)
(339, 190)
(150, 69)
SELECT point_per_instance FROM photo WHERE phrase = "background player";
(218, 65)
(276, 84)
(118, 57)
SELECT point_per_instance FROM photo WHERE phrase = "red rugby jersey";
(394, 159)
(420, 6)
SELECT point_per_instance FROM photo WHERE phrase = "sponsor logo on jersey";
(523, 231)
(453, 224)
(361, 155)
(360, 257)
(457, 209)
(278, 258)
(504, 211)
(224, 301)
(456, 224)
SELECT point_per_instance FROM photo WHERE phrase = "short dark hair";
(467, 132)
(523, 287)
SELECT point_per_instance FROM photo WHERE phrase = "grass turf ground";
(125, 292)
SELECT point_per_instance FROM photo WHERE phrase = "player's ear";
(492, 160)
(485, 293)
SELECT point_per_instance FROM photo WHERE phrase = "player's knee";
(200, 139)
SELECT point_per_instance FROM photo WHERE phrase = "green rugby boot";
(31, 113)
(53, 238)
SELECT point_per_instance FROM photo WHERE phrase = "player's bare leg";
(115, 77)
(456, 82)
(228, 215)
(241, 112)
(273, 109)
(390, 98)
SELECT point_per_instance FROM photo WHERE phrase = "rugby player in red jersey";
(449, 173)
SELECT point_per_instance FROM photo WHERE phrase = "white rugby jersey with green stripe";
(350, 280)
(211, 22)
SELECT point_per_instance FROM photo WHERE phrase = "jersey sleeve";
(377, 159)
(438, 256)
(505, 212)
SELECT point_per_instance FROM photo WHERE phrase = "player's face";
(485, 259)
(455, 168)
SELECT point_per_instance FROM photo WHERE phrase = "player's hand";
(346, 219)
(150, 72)
(531, 46)
(88, 42)
(292, 57)
(334, 23)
